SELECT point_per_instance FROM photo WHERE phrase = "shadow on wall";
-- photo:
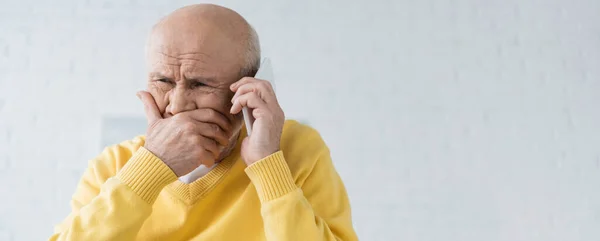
(118, 129)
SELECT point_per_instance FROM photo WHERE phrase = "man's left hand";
(259, 96)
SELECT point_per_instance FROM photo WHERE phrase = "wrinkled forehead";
(203, 47)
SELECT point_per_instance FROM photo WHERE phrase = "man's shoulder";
(302, 146)
(114, 157)
(296, 134)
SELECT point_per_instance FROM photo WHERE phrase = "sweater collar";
(196, 190)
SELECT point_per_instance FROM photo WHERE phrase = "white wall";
(447, 119)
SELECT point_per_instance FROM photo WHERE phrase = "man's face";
(191, 69)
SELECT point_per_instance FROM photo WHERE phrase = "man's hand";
(259, 97)
(185, 140)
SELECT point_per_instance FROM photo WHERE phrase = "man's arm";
(114, 208)
(318, 210)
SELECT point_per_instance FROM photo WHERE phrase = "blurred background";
(447, 119)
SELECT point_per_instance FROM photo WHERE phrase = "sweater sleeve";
(115, 209)
(319, 210)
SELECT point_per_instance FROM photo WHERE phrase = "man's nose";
(180, 100)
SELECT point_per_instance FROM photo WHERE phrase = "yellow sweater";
(127, 193)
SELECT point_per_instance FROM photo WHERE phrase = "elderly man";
(276, 184)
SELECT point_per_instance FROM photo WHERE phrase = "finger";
(150, 108)
(263, 88)
(212, 131)
(250, 100)
(259, 113)
(210, 116)
(206, 129)
(209, 145)
(206, 148)
(241, 82)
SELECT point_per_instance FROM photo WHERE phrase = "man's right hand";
(187, 139)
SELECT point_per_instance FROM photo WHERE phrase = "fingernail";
(138, 95)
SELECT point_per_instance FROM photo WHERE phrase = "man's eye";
(198, 84)
(164, 80)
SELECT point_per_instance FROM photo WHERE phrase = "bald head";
(204, 26)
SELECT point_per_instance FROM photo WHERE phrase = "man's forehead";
(192, 61)
(192, 66)
(183, 42)
(193, 44)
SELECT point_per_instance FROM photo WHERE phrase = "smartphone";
(265, 72)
